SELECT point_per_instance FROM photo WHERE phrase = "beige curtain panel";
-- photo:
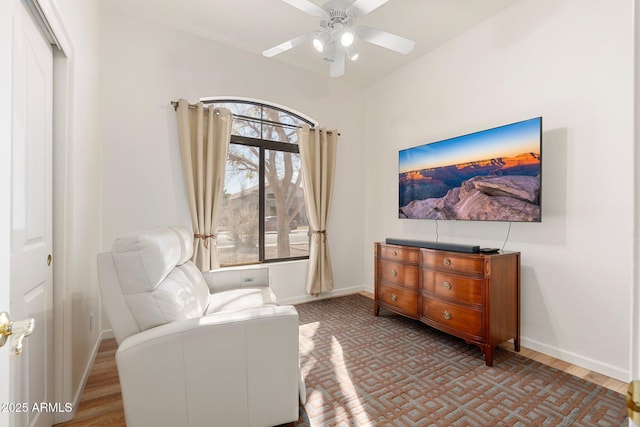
(204, 141)
(318, 154)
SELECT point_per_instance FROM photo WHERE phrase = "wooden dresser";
(473, 296)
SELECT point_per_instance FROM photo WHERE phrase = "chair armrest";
(210, 322)
(224, 279)
(237, 367)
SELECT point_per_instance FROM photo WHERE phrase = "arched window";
(263, 217)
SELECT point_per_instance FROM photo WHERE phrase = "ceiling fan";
(337, 33)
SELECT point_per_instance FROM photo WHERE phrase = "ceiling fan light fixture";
(318, 45)
(347, 37)
(321, 41)
(352, 52)
(330, 52)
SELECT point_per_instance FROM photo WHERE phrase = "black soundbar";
(453, 247)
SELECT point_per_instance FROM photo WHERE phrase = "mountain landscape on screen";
(471, 177)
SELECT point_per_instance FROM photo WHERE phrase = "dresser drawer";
(450, 261)
(399, 274)
(452, 316)
(399, 254)
(404, 300)
(466, 290)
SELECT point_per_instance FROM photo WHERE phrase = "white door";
(5, 190)
(31, 219)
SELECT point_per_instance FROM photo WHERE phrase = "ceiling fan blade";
(385, 39)
(289, 44)
(362, 7)
(336, 69)
(307, 7)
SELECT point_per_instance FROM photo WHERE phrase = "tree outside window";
(263, 214)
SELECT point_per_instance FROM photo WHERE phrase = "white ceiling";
(256, 25)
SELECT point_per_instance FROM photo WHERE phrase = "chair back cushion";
(155, 291)
(186, 244)
(115, 307)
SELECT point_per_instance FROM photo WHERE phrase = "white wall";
(145, 66)
(571, 62)
(77, 225)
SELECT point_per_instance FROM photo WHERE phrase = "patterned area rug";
(363, 370)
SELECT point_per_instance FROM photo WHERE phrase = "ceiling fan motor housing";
(335, 21)
(337, 6)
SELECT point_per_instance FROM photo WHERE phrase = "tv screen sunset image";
(492, 175)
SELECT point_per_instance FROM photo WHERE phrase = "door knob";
(20, 329)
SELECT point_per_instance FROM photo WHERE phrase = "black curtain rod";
(240, 116)
(174, 104)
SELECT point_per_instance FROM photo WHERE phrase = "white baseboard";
(68, 416)
(577, 359)
(332, 294)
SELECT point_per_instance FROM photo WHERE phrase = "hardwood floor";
(594, 377)
(101, 401)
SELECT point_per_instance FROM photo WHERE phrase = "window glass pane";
(244, 127)
(238, 225)
(243, 124)
(241, 108)
(284, 132)
(283, 217)
(285, 224)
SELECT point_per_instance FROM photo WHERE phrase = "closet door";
(31, 221)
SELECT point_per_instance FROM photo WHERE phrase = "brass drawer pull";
(394, 253)
(394, 298)
(447, 315)
(447, 286)
(447, 262)
(394, 273)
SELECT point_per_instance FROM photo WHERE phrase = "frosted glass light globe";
(318, 45)
(346, 39)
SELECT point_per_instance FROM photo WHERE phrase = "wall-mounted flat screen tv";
(491, 175)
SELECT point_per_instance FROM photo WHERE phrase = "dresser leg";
(516, 344)
(488, 355)
(376, 309)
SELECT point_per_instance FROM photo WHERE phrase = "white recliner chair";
(197, 349)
